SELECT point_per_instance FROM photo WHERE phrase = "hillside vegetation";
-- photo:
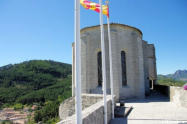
(163, 80)
(179, 75)
(43, 83)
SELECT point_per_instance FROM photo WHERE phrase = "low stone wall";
(179, 96)
(90, 115)
(67, 108)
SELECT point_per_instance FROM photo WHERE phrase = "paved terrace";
(156, 110)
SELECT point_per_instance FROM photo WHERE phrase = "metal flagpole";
(111, 68)
(103, 62)
(78, 100)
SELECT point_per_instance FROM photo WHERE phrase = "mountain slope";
(34, 74)
(40, 82)
(179, 75)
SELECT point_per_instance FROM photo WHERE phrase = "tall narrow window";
(123, 68)
(99, 68)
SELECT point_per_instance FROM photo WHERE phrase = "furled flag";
(95, 7)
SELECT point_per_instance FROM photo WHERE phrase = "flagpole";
(78, 100)
(103, 62)
(111, 68)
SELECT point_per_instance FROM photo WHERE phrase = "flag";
(95, 7)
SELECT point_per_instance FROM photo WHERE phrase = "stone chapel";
(134, 62)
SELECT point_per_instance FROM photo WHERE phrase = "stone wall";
(178, 96)
(146, 67)
(92, 113)
(150, 72)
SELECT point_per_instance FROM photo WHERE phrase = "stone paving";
(156, 111)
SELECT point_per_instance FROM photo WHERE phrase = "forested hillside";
(43, 83)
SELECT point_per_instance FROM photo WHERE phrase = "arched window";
(99, 68)
(123, 68)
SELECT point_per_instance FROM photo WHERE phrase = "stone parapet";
(178, 96)
(93, 114)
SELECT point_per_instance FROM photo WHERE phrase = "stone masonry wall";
(67, 108)
(90, 115)
(179, 96)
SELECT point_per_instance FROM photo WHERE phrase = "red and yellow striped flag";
(95, 7)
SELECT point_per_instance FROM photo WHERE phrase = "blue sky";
(44, 29)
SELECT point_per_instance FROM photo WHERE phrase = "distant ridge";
(178, 75)
(6, 67)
